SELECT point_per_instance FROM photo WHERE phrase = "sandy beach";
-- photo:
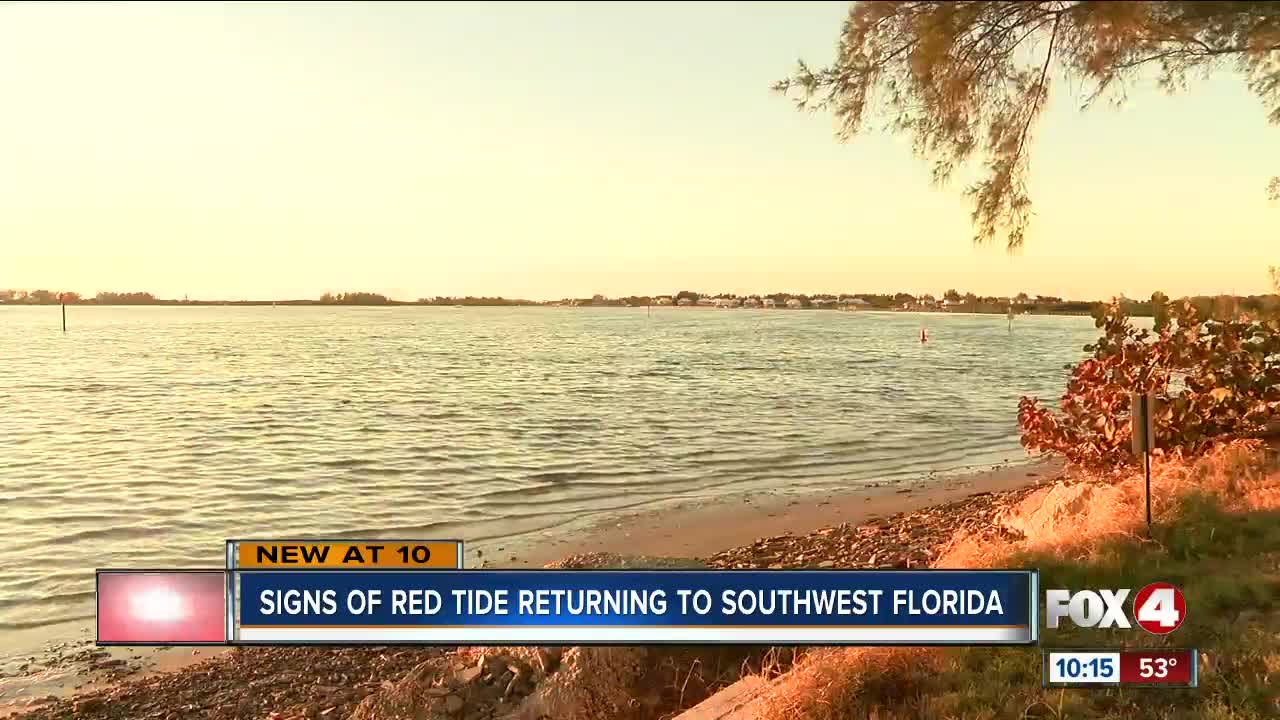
(701, 530)
(722, 533)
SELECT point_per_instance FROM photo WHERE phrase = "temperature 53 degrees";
(1158, 667)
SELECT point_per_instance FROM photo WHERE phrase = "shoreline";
(725, 528)
(548, 305)
(701, 530)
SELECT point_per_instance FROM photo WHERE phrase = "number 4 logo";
(1159, 608)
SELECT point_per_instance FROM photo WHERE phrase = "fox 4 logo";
(1158, 608)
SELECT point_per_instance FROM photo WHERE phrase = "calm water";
(146, 436)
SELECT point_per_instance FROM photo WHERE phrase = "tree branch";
(1040, 88)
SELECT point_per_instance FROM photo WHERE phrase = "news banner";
(403, 592)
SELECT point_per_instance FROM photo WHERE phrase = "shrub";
(1216, 377)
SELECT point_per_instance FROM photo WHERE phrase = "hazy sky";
(550, 150)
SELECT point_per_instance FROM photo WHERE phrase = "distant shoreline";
(951, 301)
(533, 304)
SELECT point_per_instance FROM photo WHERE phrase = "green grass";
(1228, 567)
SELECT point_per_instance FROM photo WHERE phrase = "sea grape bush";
(1217, 378)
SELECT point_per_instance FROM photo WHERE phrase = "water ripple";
(147, 436)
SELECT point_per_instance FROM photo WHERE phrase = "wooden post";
(1142, 414)
(63, 300)
(1146, 464)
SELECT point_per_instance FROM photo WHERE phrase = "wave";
(43, 601)
(45, 622)
(495, 424)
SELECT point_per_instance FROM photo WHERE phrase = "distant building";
(727, 302)
(662, 301)
(685, 302)
(706, 302)
(794, 303)
(770, 303)
(822, 302)
(751, 303)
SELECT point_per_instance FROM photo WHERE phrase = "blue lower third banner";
(564, 607)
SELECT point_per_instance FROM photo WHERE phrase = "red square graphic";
(161, 607)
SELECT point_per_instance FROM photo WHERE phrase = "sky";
(549, 150)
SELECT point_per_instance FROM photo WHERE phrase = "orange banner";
(351, 555)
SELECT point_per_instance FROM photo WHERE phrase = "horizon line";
(53, 297)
